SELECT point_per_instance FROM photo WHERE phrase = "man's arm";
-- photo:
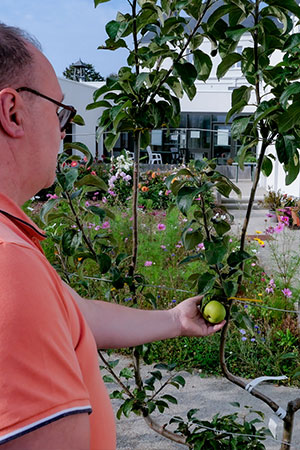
(116, 326)
(72, 432)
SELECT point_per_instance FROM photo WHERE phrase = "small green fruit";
(214, 312)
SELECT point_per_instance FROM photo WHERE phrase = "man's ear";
(11, 113)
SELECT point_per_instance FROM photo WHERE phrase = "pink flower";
(93, 172)
(278, 229)
(161, 227)
(97, 227)
(285, 220)
(105, 225)
(253, 264)
(201, 246)
(73, 164)
(269, 290)
(112, 193)
(163, 247)
(104, 200)
(287, 292)
(87, 204)
(51, 196)
(148, 263)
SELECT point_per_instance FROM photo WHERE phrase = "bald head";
(16, 60)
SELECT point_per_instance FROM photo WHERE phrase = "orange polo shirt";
(48, 358)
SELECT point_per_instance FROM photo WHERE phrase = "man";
(52, 396)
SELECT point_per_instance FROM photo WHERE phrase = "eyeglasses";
(65, 114)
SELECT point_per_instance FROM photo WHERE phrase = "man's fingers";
(217, 327)
(197, 299)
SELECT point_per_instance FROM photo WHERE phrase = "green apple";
(214, 312)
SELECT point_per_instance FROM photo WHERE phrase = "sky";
(68, 30)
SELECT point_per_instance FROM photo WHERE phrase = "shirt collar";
(12, 211)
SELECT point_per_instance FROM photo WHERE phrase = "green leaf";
(97, 2)
(292, 168)
(47, 208)
(104, 262)
(218, 14)
(115, 29)
(203, 64)
(108, 379)
(186, 72)
(78, 120)
(292, 89)
(230, 288)
(111, 140)
(221, 227)
(237, 257)
(239, 126)
(290, 117)
(179, 380)
(82, 148)
(226, 63)
(100, 104)
(97, 211)
(191, 258)
(292, 42)
(191, 239)
(267, 166)
(235, 33)
(241, 93)
(185, 198)
(71, 239)
(214, 252)
(67, 179)
(206, 282)
(223, 188)
(289, 5)
(170, 398)
(92, 180)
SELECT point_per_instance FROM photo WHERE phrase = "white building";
(202, 132)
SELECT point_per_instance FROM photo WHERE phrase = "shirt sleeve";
(40, 376)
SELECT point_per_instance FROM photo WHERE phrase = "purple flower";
(161, 227)
(270, 215)
(163, 247)
(270, 230)
(242, 331)
(253, 339)
(105, 225)
(287, 292)
(244, 338)
(269, 290)
(201, 246)
(148, 263)
(272, 283)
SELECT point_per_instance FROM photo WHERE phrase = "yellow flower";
(258, 232)
(79, 259)
(174, 179)
(260, 295)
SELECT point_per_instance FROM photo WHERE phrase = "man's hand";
(190, 319)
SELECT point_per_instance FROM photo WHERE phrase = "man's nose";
(63, 134)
